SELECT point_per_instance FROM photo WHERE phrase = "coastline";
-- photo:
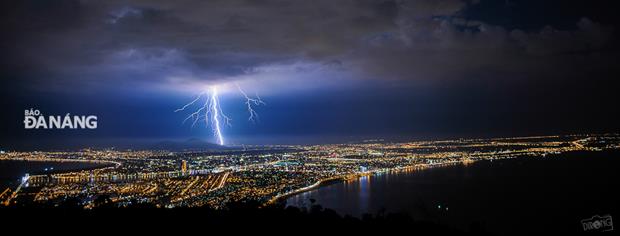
(417, 167)
(318, 184)
(350, 177)
(464, 189)
(104, 164)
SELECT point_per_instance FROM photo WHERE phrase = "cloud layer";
(182, 45)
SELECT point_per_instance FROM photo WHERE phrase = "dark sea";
(505, 197)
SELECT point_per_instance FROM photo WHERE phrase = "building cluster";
(263, 174)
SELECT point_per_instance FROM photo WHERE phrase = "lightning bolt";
(215, 109)
(250, 102)
(212, 114)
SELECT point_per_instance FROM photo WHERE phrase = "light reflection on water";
(11, 171)
(364, 193)
(501, 193)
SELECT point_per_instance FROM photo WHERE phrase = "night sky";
(329, 71)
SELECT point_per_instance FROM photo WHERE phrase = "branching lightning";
(212, 114)
(249, 102)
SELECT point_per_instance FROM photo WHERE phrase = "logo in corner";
(598, 223)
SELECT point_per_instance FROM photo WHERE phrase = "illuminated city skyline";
(213, 178)
(419, 116)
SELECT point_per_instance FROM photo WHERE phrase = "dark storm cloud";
(81, 41)
(370, 66)
(158, 42)
(442, 51)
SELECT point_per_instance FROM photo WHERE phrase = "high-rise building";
(183, 166)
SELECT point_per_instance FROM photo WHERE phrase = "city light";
(266, 173)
